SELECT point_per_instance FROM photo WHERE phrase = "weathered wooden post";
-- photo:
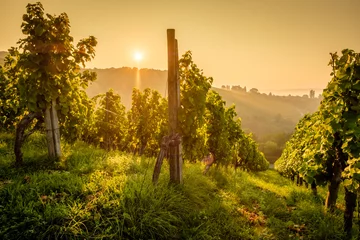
(52, 130)
(106, 140)
(56, 129)
(49, 132)
(174, 104)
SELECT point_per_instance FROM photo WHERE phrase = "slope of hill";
(124, 79)
(261, 114)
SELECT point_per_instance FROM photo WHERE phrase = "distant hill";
(124, 79)
(263, 114)
(260, 113)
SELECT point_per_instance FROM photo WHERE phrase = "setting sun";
(138, 56)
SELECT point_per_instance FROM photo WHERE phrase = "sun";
(138, 56)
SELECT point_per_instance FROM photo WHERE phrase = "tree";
(312, 94)
(254, 90)
(11, 110)
(249, 156)
(47, 72)
(148, 122)
(194, 87)
(110, 120)
(217, 128)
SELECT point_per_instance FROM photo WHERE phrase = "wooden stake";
(49, 132)
(55, 129)
(174, 103)
(107, 123)
(179, 149)
(52, 130)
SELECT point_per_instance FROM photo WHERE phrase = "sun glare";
(138, 56)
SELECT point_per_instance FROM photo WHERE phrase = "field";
(93, 194)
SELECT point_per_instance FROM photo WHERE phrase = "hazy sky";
(268, 44)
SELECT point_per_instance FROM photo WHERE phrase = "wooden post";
(55, 129)
(52, 130)
(49, 132)
(179, 149)
(106, 140)
(174, 103)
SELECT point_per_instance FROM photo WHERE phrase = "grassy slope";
(93, 194)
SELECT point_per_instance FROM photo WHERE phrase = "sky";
(267, 44)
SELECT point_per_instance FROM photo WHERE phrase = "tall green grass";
(93, 194)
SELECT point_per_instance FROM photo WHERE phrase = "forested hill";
(261, 114)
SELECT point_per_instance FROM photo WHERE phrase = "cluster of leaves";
(10, 106)
(248, 155)
(138, 130)
(227, 141)
(304, 142)
(207, 125)
(46, 67)
(108, 122)
(194, 87)
(148, 121)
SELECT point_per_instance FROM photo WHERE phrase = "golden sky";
(268, 44)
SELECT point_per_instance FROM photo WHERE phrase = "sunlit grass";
(92, 194)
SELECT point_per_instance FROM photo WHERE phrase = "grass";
(92, 194)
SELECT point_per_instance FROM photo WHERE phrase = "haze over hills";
(260, 113)
(293, 91)
(124, 79)
(263, 114)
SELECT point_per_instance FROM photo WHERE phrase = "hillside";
(260, 113)
(124, 79)
(263, 114)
